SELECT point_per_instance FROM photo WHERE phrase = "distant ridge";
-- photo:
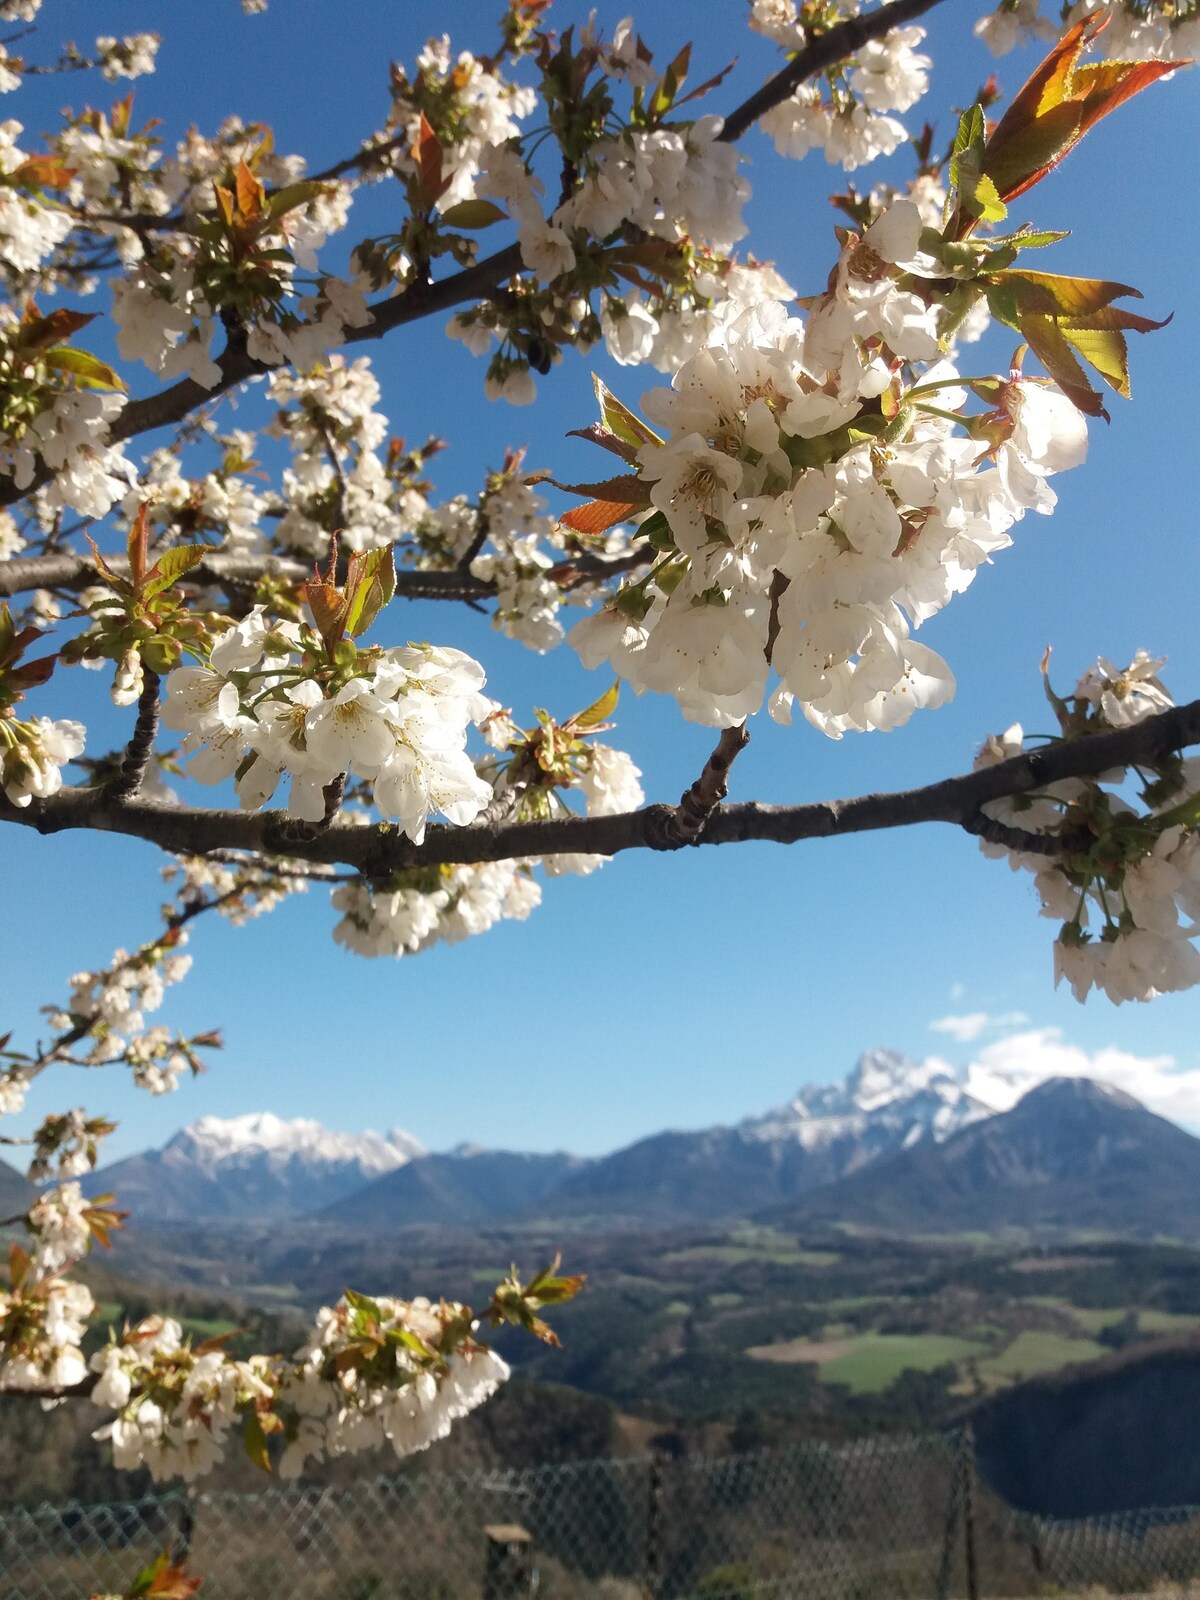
(1072, 1154)
(899, 1145)
(259, 1165)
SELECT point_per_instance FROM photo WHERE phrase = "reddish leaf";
(249, 194)
(427, 153)
(1058, 105)
(599, 515)
(42, 172)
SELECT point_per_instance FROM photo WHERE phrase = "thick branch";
(380, 849)
(66, 570)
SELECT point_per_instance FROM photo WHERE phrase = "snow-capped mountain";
(262, 1166)
(899, 1101)
(886, 1104)
(215, 1141)
(254, 1166)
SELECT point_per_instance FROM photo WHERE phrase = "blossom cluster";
(811, 505)
(411, 911)
(398, 718)
(1135, 31)
(33, 754)
(849, 118)
(1124, 881)
(43, 1319)
(370, 1372)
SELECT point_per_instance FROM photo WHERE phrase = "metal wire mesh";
(882, 1519)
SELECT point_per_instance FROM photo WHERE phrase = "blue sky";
(698, 988)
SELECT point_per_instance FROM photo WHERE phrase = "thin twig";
(137, 752)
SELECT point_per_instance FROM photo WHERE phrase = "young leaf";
(369, 587)
(256, 1442)
(172, 565)
(472, 214)
(599, 711)
(618, 418)
(87, 370)
(249, 194)
(427, 153)
(1058, 105)
(597, 516)
(596, 433)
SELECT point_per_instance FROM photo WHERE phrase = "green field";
(1036, 1351)
(877, 1359)
(782, 1255)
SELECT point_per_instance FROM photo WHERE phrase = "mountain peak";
(213, 1141)
(1077, 1092)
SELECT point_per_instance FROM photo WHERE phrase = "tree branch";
(67, 570)
(137, 753)
(840, 41)
(697, 804)
(380, 849)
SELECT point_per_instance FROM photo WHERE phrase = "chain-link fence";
(882, 1519)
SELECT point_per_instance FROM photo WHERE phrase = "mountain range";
(896, 1146)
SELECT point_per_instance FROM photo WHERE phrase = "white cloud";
(1007, 1068)
(967, 1027)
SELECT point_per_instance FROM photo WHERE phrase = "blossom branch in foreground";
(840, 41)
(379, 849)
(482, 279)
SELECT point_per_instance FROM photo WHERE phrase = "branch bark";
(377, 850)
(66, 570)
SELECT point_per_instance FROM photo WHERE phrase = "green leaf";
(370, 586)
(618, 418)
(293, 195)
(1049, 343)
(599, 711)
(473, 214)
(256, 1442)
(363, 1303)
(1051, 294)
(87, 370)
(656, 530)
(968, 141)
(172, 565)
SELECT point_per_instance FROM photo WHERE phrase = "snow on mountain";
(214, 1140)
(888, 1095)
(255, 1166)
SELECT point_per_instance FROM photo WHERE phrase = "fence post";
(654, 1527)
(946, 1564)
(508, 1569)
(968, 1493)
(182, 1547)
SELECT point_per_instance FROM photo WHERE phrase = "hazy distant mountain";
(1071, 1154)
(16, 1193)
(899, 1145)
(886, 1104)
(466, 1186)
(254, 1166)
